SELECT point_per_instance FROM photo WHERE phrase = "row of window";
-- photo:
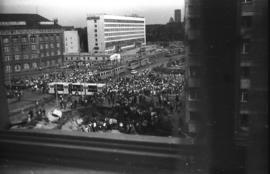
(33, 39)
(123, 21)
(194, 94)
(243, 119)
(33, 56)
(33, 47)
(124, 42)
(124, 25)
(195, 71)
(123, 29)
(84, 58)
(124, 33)
(27, 66)
(244, 49)
(124, 37)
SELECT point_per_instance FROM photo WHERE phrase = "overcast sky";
(74, 12)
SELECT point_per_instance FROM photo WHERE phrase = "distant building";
(177, 15)
(109, 33)
(171, 20)
(71, 40)
(29, 42)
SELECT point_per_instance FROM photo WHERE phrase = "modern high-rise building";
(109, 33)
(71, 40)
(29, 42)
(177, 15)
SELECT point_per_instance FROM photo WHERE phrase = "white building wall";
(72, 42)
(119, 32)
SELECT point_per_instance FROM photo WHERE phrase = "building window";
(95, 30)
(96, 40)
(25, 56)
(7, 58)
(245, 72)
(194, 116)
(5, 40)
(34, 56)
(244, 121)
(24, 47)
(26, 66)
(246, 21)
(8, 68)
(40, 39)
(246, 1)
(41, 46)
(17, 57)
(52, 53)
(58, 45)
(48, 63)
(57, 38)
(95, 35)
(194, 71)
(194, 23)
(6, 49)
(245, 46)
(42, 55)
(192, 46)
(52, 46)
(15, 40)
(34, 65)
(17, 68)
(243, 95)
(46, 38)
(33, 39)
(52, 38)
(194, 93)
(34, 47)
(46, 46)
(16, 48)
(47, 54)
(58, 52)
(24, 39)
(95, 25)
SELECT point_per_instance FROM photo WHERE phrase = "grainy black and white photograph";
(134, 86)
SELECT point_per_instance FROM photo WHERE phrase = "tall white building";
(72, 42)
(109, 33)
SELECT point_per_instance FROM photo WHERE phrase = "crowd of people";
(140, 103)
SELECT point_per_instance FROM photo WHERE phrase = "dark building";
(177, 15)
(226, 82)
(29, 42)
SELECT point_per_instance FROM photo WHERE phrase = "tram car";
(75, 88)
(111, 72)
(58, 87)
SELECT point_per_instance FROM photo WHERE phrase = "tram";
(75, 88)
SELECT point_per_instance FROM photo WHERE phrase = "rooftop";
(24, 21)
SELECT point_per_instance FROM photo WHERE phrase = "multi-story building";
(177, 15)
(109, 33)
(71, 40)
(193, 64)
(226, 80)
(29, 42)
(247, 11)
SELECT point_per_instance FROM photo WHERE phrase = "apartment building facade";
(29, 42)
